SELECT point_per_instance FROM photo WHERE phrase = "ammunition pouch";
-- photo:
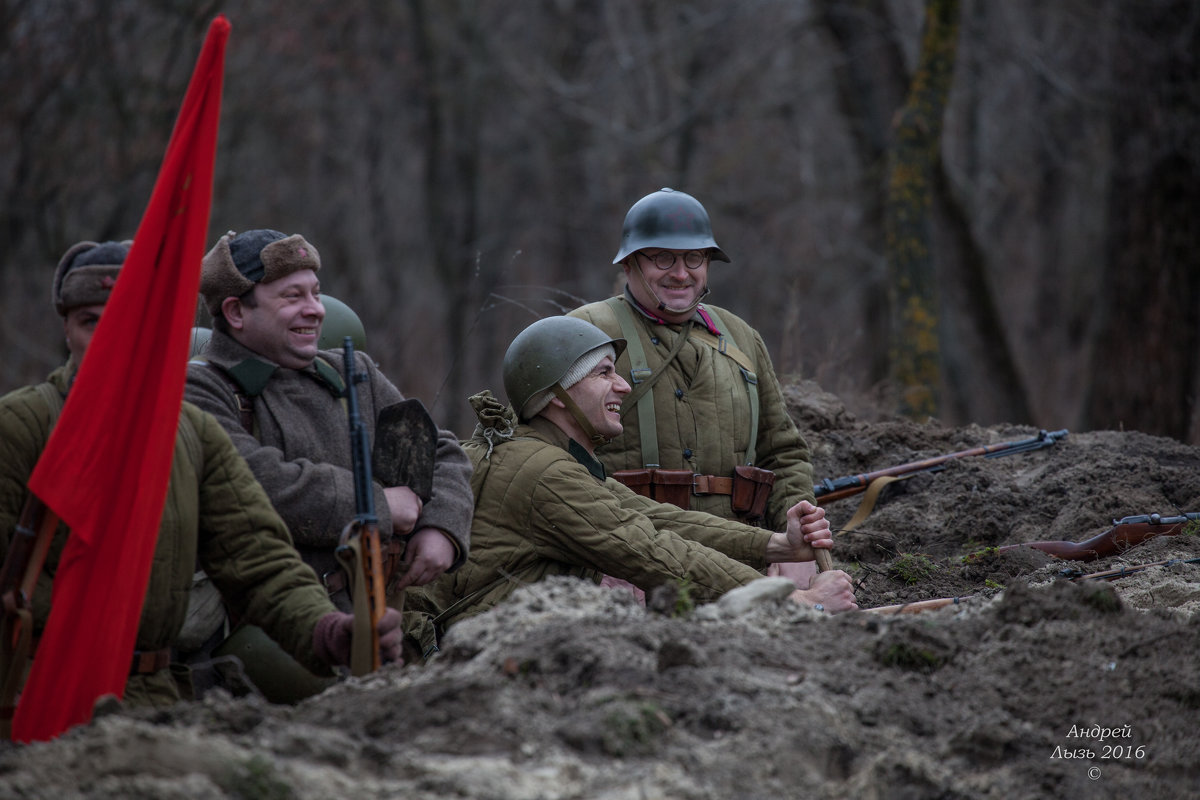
(748, 489)
(672, 486)
(751, 488)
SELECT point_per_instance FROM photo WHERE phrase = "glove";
(333, 634)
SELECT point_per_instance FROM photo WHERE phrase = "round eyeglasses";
(665, 259)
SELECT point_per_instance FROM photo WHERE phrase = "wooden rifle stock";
(829, 489)
(1125, 533)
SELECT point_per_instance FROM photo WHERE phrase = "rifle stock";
(360, 551)
(832, 489)
(1125, 533)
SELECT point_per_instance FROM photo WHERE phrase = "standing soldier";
(705, 398)
(216, 516)
(280, 398)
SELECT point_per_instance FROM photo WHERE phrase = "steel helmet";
(671, 220)
(200, 337)
(340, 322)
(542, 353)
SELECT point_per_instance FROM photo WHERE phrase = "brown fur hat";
(86, 274)
(238, 261)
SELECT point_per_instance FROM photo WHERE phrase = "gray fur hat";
(240, 260)
(86, 274)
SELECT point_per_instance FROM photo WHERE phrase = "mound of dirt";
(1032, 685)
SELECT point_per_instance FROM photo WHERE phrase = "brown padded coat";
(540, 512)
(216, 515)
(302, 453)
(702, 413)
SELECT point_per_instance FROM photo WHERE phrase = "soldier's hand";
(807, 528)
(404, 507)
(391, 637)
(427, 555)
(830, 591)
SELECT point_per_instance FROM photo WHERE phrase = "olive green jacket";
(542, 510)
(215, 516)
(702, 412)
(300, 450)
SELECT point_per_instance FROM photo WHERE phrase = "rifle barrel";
(829, 490)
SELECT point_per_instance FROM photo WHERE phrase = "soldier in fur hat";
(216, 516)
(280, 399)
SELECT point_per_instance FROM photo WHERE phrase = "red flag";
(105, 468)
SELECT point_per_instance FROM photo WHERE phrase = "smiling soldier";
(281, 399)
(544, 507)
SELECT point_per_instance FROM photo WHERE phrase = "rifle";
(829, 490)
(1125, 533)
(359, 551)
(18, 577)
(1073, 575)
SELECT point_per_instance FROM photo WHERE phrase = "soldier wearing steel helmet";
(705, 397)
(544, 507)
(264, 376)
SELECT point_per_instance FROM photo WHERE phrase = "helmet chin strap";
(573, 408)
(663, 306)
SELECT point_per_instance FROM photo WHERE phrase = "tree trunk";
(915, 351)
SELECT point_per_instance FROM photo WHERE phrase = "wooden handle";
(824, 560)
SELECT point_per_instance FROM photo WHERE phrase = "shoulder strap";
(642, 378)
(725, 346)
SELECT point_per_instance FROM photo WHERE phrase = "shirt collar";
(701, 316)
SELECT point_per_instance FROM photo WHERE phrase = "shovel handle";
(824, 560)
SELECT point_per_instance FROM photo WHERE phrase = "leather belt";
(335, 580)
(712, 484)
(146, 662)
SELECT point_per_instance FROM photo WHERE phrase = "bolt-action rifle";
(18, 577)
(359, 550)
(829, 490)
(1125, 533)
(1073, 575)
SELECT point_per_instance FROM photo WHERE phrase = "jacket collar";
(701, 316)
(549, 432)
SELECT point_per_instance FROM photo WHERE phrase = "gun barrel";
(831, 489)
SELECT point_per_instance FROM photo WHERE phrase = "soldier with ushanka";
(216, 517)
(282, 402)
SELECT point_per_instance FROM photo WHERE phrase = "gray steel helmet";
(542, 353)
(671, 220)
(340, 322)
(200, 337)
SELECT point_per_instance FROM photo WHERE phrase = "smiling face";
(284, 322)
(673, 292)
(598, 396)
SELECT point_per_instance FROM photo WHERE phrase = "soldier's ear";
(231, 308)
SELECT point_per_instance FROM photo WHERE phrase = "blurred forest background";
(979, 211)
